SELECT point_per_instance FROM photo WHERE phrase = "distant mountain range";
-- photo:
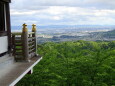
(61, 27)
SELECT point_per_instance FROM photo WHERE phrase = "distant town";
(60, 33)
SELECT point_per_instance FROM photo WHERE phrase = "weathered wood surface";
(10, 75)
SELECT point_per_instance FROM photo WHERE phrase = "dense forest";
(79, 63)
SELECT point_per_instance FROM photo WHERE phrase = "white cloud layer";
(61, 12)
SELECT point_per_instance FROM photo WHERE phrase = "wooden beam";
(8, 26)
(25, 42)
(2, 54)
(5, 1)
(3, 33)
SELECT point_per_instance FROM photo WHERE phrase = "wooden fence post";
(13, 43)
(25, 42)
(35, 35)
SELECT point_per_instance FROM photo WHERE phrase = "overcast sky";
(63, 12)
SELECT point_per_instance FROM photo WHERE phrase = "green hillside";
(95, 36)
(109, 34)
(80, 63)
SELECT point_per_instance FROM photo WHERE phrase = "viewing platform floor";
(11, 74)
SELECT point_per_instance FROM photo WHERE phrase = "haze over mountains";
(78, 27)
(57, 33)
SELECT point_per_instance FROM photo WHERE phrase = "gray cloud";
(44, 12)
(43, 4)
(25, 5)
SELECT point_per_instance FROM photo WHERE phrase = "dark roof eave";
(6, 1)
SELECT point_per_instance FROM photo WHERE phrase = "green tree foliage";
(80, 63)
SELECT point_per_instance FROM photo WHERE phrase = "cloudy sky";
(63, 12)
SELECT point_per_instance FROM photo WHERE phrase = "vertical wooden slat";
(13, 43)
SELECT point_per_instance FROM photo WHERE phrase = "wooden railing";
(24, 44)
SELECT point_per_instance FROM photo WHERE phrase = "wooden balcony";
(12, 73)
(23, 58)
(24, 44)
